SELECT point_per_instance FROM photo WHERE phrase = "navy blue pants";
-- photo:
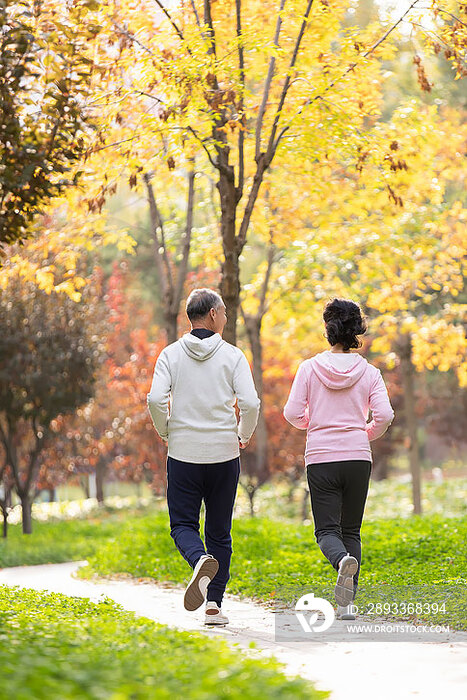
(188, 485)
(338, 493)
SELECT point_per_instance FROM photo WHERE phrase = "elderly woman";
(330, 398)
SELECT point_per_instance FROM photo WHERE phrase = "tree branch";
(182, 270)
(261, 166)
(162, 261)
(190, 128)
(10, 456)
(195, 11)
(174, 25)
(267, 84)
(343, 75)
(133, 38)
(264, 289)
(241, 104)
(33, 456)
(271, 147)
(211, 34)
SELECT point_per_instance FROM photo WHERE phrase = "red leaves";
(396, 165)
(425, 85)
(394, 197)
(362, 156)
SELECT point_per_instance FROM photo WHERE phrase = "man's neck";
(201, 332)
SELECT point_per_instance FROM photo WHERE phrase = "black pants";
(338, 494)
(188, 485)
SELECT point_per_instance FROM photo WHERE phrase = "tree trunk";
(52, 495)
(100, 475)
(305, 504)
(251, 497)
(408, 379)
(26, 508)
(380, 469)
(253, 328)
(230, 282)
(84, 483)
(4, 508)
(171, 327)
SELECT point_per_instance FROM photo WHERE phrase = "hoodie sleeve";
(158, 397)
(381, 409)
(296, 408)
(247, 398)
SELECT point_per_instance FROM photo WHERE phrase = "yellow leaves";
(439, 344)
(68, 287)
(462, 374)
(45, 278)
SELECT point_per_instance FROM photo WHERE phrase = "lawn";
(416, 559)
(54, 646)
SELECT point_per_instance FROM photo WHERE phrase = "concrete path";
(360, 670)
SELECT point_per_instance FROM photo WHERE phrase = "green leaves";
(45, 80)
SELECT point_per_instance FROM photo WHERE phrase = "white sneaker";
(346, 612)
(204, 572)
(214, 615)
(343, 591)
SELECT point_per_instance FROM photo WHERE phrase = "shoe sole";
(343, 591)
(218, 623)
(194, 597)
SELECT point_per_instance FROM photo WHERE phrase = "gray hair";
(200, 302)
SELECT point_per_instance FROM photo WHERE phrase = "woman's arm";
(381, 409)
(296, 408)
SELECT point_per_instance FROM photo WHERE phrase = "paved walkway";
(360, 670)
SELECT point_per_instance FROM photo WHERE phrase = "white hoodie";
(195, 386)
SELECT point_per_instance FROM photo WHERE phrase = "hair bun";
(344, 322)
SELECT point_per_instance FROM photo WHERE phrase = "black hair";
(200, 302)
(344, 321)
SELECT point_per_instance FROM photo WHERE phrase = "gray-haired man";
(197, 382)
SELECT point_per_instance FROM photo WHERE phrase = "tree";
(46, 76)
(49, 352)
(171, 279)
(6, 487)
(112, 435)
(246, 92)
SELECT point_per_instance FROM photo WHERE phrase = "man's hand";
(243, 444)
(166, 442)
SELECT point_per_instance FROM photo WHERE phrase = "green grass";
(416, 559)
(53, 646)
(58, 541)
(390, 498)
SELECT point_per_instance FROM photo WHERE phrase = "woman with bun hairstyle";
(330, 398)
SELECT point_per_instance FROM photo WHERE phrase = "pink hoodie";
(330, 398)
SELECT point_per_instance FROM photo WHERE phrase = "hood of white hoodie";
(201, 349)
(339, 371)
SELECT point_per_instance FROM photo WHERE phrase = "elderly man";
(197, 381)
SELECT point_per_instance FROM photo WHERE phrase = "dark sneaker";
(214, 615)
(344, 589)
(203, 573)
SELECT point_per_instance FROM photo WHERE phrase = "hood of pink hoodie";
(332, 372)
